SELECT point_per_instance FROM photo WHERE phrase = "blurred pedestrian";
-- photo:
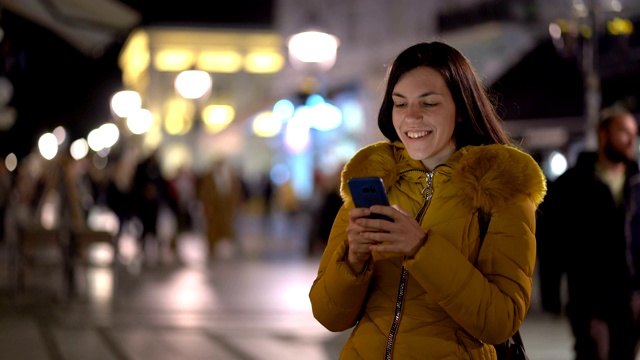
(589, 229)
(330, 201)
(421, 286)
(266, 194)
(151, 191)
(220, 193)
(118, 194)
(183, 184)
(24, 198)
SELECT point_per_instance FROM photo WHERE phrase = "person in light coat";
(422, 287)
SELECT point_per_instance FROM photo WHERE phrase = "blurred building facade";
(290, 121)
(353, 85)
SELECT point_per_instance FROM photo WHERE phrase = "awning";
(88, 25)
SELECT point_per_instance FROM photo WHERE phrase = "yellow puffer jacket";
(449, 307)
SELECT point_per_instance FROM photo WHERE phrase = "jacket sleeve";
(491, 300)
(337, 294)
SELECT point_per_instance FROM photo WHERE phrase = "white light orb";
(79, 149)
(140, 121)
(313, 46)
(125, 102)
(558, 163)
(193, 84)
(48, 146)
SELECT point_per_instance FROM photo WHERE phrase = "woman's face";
(424, 116)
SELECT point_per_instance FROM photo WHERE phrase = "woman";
(421, 286)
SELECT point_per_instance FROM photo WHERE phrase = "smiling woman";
(447, 159)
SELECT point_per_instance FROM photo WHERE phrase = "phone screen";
(368, 191)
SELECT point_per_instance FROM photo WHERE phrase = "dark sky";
(55, 84)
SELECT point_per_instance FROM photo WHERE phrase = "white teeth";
(417, 134)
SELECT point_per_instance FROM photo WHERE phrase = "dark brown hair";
(478, 124)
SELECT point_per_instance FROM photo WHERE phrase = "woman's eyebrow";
(425, 94)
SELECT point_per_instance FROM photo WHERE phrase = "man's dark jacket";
(582, 233)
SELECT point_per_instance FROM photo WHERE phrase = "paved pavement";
(249, 303)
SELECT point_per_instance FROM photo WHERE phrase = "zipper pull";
(427, 192)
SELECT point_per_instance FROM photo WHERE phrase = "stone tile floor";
(250, 303)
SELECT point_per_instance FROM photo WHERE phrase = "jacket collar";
(486, 175)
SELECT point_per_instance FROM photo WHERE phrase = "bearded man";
(589, 231)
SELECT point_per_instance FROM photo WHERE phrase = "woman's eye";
(399, 104)
(429, 104)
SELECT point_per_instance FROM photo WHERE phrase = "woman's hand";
(359, 246)
(403, 235)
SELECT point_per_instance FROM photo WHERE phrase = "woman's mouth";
(417, 134)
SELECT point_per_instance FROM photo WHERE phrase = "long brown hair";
(478, 123)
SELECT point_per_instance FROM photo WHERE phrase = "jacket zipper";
(427, 193)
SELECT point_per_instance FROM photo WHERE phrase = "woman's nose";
(413, 112)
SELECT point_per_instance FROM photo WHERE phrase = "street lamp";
(313, 47)
(194, 85)
(126, 105)
(312, 53)
(125, 102)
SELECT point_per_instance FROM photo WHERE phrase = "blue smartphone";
(368, 191)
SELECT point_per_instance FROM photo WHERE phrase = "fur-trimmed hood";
(485, 176)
